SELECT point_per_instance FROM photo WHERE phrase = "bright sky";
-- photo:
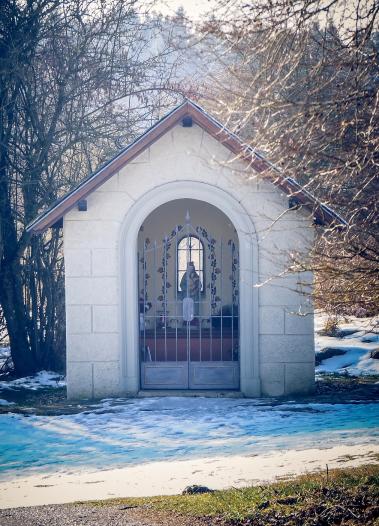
(196, 8)
(193, 8)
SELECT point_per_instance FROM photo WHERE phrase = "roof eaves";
(248, 149)
(256, 159)
(30, 227)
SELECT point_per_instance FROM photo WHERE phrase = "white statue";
(190, 285)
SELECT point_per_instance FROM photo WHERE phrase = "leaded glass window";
(190, 248)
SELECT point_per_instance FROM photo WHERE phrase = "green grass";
(349, 494)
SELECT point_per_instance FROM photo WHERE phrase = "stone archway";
(249, 343)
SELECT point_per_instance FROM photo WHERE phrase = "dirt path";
(86, 515)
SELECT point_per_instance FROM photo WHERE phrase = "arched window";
(190, 248)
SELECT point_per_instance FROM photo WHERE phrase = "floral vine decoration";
(167, 243)
(214, 270)
(234, 277)
(144, 303)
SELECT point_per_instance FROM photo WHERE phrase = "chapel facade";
(177, 258)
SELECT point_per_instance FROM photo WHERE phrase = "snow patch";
(5, 402)
(371, 338)
(356, 361)
(136, 431)
(358, 338)
(5, 353)
(38, 381)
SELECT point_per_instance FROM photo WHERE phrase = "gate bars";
(212, 334)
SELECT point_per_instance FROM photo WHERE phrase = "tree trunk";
(12, 303)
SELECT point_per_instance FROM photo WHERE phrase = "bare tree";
(299, 81)
(78, 80)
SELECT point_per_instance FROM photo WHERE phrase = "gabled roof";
(323, 214)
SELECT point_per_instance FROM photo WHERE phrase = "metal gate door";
(189, 311)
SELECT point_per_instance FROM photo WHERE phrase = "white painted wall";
(100, 361)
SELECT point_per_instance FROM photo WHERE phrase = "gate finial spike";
(188, 217)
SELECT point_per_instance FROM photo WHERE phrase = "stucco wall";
(95, 349)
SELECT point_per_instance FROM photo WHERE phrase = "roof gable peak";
(217, 130)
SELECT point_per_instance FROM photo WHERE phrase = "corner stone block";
(271, 264)
(286, 348)
(104, 262)
(90, 234)
(137, 179)
(105, 318)
(79, 380)
(106, 377)
(78, 319)
(272, 379)
(84, 291)
(90, 347)
(299, 378)
(298, 323)
(280, 291)
(77, 262)
(271, 320)
(108, 206)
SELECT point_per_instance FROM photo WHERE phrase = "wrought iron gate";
(189, 311)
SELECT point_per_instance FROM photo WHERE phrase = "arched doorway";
(188, 298)
(248, 275)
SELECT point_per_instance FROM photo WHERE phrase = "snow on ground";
(356, 361)
(5, 402)
(359, 337)
(155, 446)
(117, 433)
(40, 380)
(349, 323)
